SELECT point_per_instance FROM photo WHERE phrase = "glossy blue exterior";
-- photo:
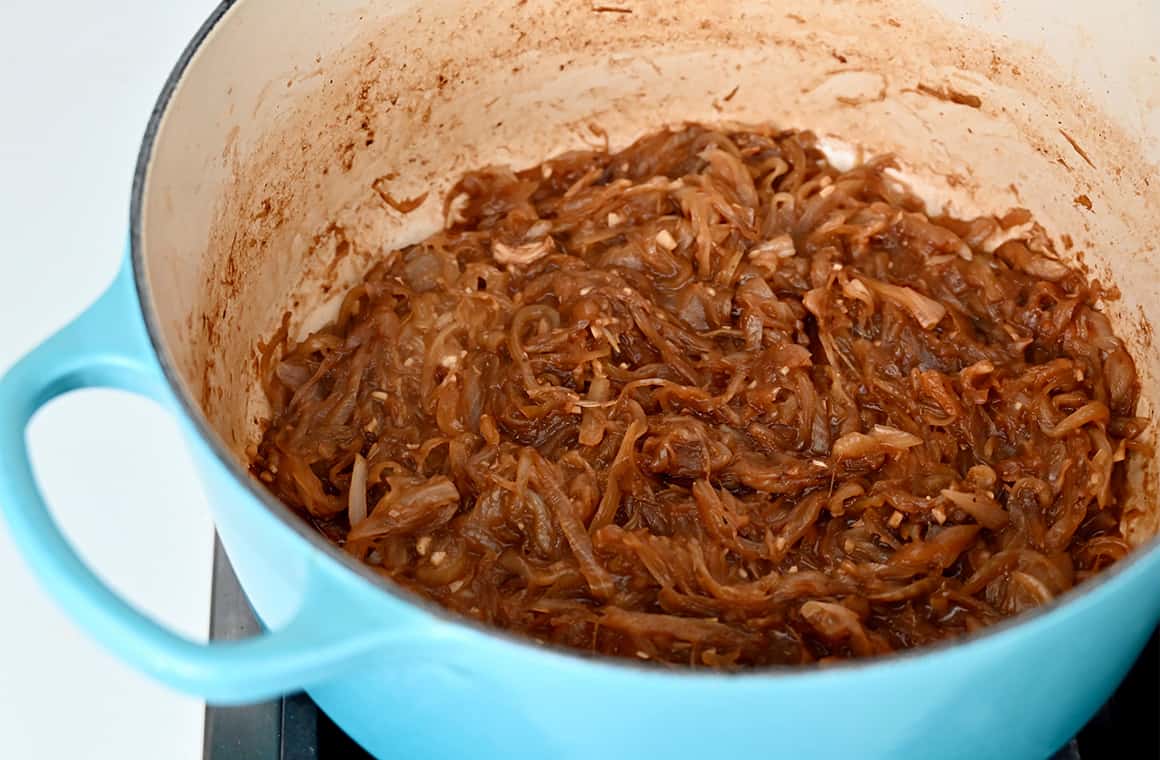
(405, 680)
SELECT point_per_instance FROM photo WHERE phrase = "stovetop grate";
(293, 728)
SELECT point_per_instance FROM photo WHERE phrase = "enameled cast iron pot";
(285, 120)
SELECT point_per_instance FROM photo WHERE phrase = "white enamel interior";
(290, 111)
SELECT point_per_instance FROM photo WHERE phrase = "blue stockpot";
(406, 679)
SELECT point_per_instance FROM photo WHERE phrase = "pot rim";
(564, 655)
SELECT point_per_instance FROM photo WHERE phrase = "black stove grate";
(293, 728)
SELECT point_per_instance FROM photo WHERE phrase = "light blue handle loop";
(107, 347)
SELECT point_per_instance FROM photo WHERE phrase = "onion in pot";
(357, 500)
(711, 401)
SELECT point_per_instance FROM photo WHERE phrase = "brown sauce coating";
(710, 401)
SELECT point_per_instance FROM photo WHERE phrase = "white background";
(77, 82)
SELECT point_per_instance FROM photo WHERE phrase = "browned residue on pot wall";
(422, 92)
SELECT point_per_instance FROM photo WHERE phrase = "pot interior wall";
(266, 189)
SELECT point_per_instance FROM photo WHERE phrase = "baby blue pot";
(404, 678)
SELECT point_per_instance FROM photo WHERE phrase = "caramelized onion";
(710, 401)
(357, 499)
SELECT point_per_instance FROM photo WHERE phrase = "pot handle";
(107, 346)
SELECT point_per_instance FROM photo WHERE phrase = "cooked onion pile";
(711, 401)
